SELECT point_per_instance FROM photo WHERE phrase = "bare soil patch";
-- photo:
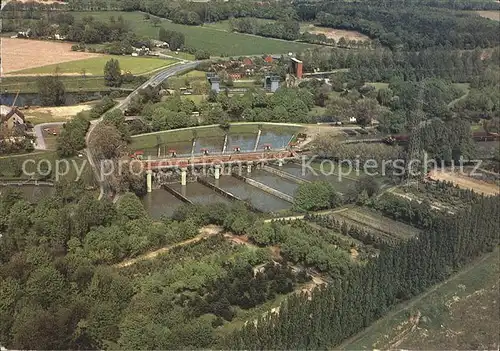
(56, 113)
(471, 323)
(466, 182)
(19, 54)
(494, 15)
(336, 34)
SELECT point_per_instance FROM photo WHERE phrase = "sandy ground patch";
(57, 113)
(466, 182)
(336, 33)
(19, 54)
(494, 15)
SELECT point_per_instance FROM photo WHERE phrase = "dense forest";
(67, 275)
(288, 30)
(397, 27)
(59, 290)
(408, 27)
(347, 306)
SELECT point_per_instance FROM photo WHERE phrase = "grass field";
(379, 86)
(195, 74)
(197, 99)
(10, 166)
(461, 313)
(95, 66)
(27, 84)
(224, 25)
(217, 42)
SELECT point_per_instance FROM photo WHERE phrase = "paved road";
(40, 140)
(122, 105)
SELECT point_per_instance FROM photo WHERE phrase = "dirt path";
(23, 155)
(205, 232)
(466, 182)
(411, 303)
(452, 103)
(294, 218)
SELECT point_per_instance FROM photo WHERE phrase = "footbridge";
(202, 160)
(214, 164)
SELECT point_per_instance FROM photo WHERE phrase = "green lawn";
(95, 66)
(197, 99)
(379, 86)
(11, 167)
(217, 42)
(195, 74)
(317, 111)
(71, 84)
(476, 127)
(224, 25)
(28, 84)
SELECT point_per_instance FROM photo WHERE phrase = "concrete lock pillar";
(183, 176)
(149, 181)
(217, 171)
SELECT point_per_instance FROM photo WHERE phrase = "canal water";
(199, 193)
(277, 141)
(341, 185)
(214, 145)
(211, 144)
(160, 203)
(256, 197)
(182, 148)
(284, 185)
(245, 141)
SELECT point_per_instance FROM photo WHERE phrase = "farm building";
(11, 117)
(247, 61)
(296, 67)
(272, 83)
(160, 44)
(214, 81)
(235, 75)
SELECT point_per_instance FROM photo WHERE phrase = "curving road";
(40, 139)
(122, 105)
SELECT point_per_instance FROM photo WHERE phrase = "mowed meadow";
(95, 66)
(217, 42)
